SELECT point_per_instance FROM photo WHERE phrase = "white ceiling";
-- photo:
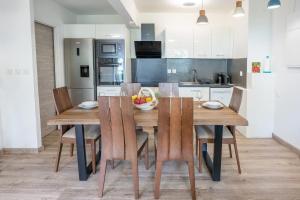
(87, 7)
(177, 5)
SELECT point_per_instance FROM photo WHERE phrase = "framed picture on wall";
(256, 67)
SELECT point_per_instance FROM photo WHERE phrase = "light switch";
(241, 73)
(174, 71)
(169, 71)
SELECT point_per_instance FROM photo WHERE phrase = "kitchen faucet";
(194, 75)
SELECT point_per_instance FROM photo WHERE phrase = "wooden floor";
(269, 171)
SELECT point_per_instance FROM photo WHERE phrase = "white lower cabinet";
(221, 94)
(195, 92)
(108, 90)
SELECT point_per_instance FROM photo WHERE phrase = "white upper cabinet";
(179, 43)
(111, 31)
(97, 31)
(79, 30)
(202, 42)
(221, 42)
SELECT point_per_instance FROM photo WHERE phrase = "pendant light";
(202, 19)
(238, 11)
(273, 4)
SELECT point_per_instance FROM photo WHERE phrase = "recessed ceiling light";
(189, 4)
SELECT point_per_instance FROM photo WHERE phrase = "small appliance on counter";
(223, 79)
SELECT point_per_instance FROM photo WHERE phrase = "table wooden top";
(202, 116)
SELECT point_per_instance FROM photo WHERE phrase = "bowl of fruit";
(145, 100)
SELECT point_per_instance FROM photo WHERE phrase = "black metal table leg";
(214, 166)
(217, 153)
(84, 170)
(81, 154)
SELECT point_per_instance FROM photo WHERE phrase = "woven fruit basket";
(145, 100)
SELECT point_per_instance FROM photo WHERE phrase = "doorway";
(44, 38)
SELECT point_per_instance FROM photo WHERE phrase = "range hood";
(148, 47)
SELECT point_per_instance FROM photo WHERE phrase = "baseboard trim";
(22, 150)
(286, 144)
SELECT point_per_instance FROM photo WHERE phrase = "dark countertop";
(213, 85)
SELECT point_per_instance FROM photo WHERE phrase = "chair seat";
(90, 132)
(208, 132)
(141, 138)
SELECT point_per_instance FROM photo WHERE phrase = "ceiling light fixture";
(238, 11)
(273, 4)
(202, 19)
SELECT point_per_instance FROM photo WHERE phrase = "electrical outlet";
(169, 71)
(174, 71)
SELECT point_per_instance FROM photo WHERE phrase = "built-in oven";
(110, 65)
(110, 71)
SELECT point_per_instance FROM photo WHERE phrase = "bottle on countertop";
(267, 65)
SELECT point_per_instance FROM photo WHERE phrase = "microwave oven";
(110, 48)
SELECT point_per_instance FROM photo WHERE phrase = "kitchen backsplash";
(206, 68)
(237, 68)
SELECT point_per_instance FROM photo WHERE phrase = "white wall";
(259, 106)
(18, 92)
(99, 19)
(287, 81)
(1, 132)
(50, 13)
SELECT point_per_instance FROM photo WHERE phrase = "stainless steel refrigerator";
(79, 69)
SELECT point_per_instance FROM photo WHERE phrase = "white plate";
(88, 104)
(213, 105)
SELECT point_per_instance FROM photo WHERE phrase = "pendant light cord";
(202, 5)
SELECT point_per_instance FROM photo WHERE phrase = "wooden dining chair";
(205, 134)
(174, 139)
(168, 89)
(130, 89)
(67, 133)
(120, 139)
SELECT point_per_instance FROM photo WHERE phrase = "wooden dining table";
(219, 118)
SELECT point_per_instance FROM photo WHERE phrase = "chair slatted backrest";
(62, 99)
(175, 129)
(62, 102)
(117, 128)
(169, 89)
(235, 104)
(236, 99)
(130, 89)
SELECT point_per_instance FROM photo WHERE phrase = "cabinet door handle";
(221, 92)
